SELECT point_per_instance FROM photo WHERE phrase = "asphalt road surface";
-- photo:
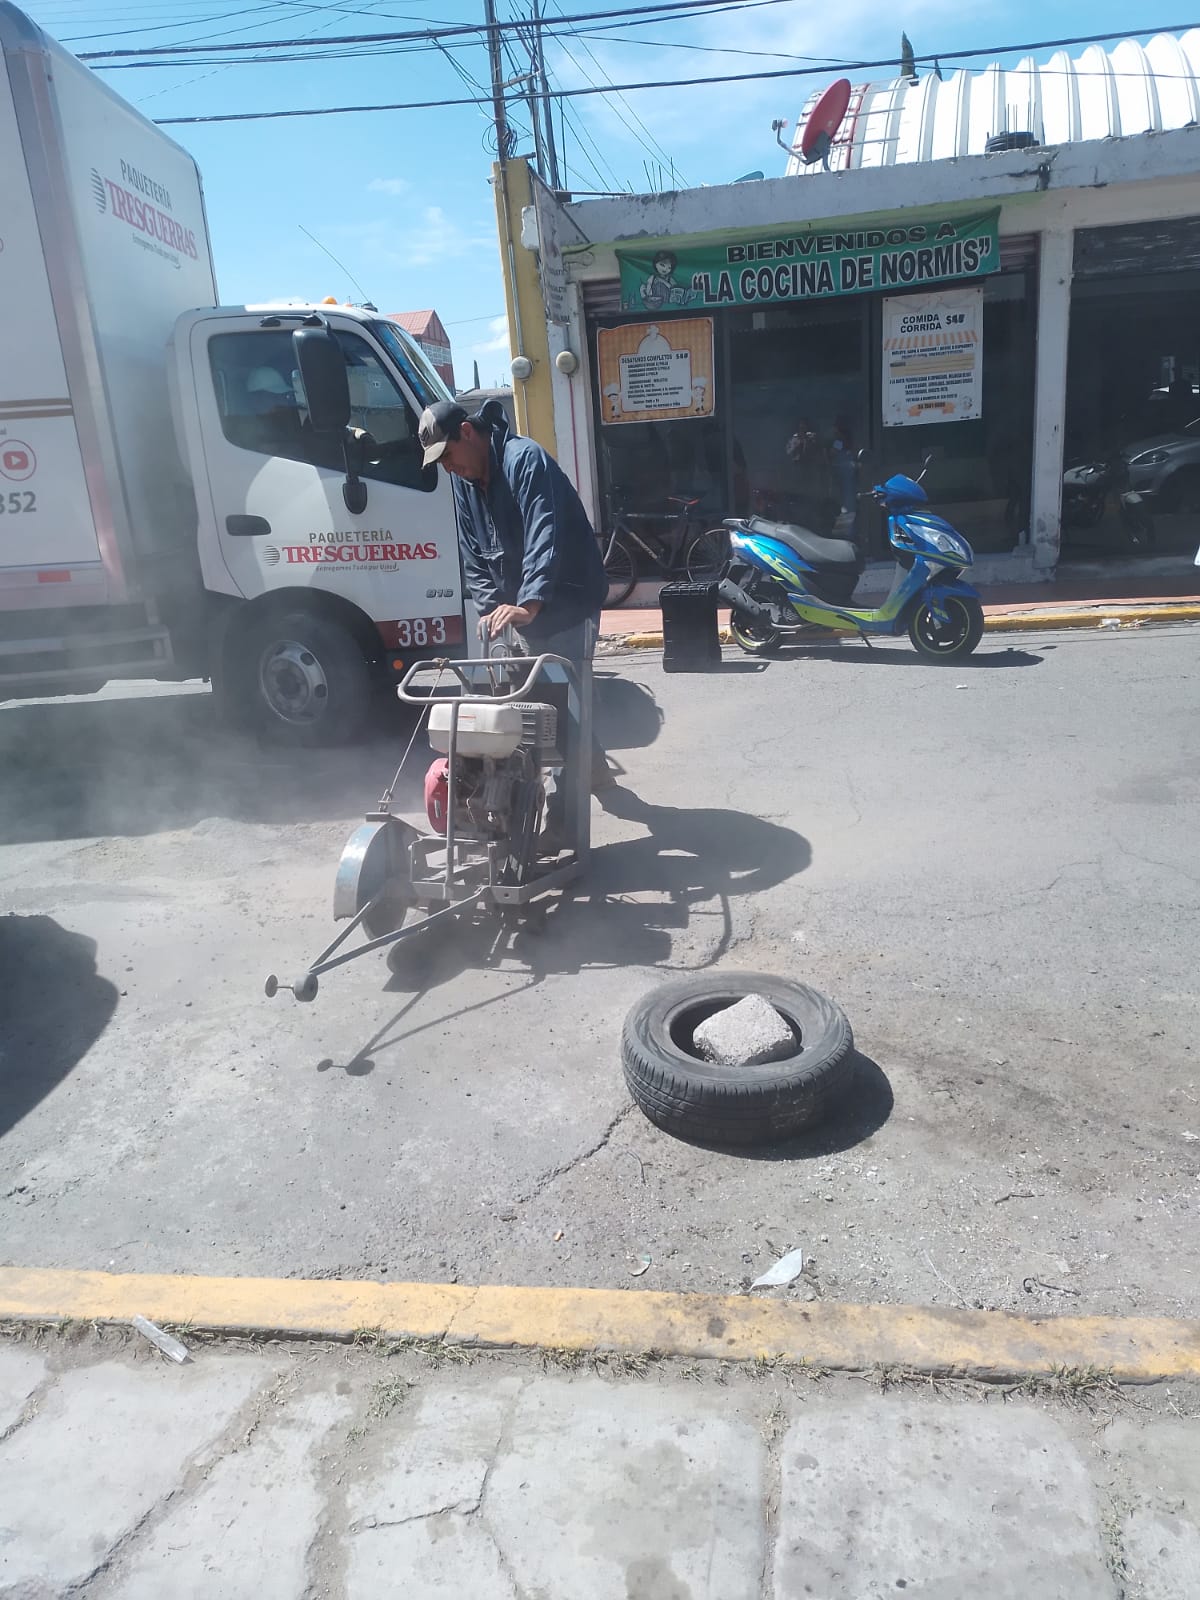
(993, 867)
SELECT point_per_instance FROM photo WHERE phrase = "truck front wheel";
(304, 679)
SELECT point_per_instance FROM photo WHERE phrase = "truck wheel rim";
(293, 682)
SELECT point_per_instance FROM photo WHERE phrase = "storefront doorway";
(798, 392)
(1133, 415)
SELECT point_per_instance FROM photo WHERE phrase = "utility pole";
(493, 38)
(541, 83)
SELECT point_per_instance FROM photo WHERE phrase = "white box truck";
(188, 489)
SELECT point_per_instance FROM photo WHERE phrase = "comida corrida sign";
(760, 270)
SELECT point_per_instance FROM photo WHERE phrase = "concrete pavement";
(992, 869)
(309, 1473)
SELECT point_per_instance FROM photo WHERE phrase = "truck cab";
(307, 533)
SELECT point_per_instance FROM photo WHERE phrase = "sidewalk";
(1008, 608)
(288, 1471)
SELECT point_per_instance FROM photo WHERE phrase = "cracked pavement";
(991, 867)
(316, 1472)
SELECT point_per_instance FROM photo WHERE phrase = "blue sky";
(403, 199)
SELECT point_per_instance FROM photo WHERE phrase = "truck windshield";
(427, 387)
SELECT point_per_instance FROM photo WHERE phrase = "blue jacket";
(527, 537)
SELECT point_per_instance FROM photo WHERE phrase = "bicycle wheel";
(621, 569)
(706, 555)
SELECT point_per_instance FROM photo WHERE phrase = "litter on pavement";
(169, 1345)
(786, 1269)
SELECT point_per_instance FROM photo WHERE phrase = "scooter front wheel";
(952, 640)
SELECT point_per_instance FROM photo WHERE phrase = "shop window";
(1133, 417)
(979, 477)
(260, 398)
(799, 398)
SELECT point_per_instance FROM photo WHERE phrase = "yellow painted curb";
(982, 1344)
(1016, 622)
(1006, 622)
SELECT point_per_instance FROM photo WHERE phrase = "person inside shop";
(810, 491)
(530, 557)
(844, 468)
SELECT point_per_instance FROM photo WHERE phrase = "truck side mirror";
(323, 370)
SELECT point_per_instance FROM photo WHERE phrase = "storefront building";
(1015, 292)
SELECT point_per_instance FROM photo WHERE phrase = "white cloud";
(392, 186)
(426, 237)
(492, 354)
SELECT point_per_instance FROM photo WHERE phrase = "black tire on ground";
(621, 570)
(303, 679)
(712, 1104)
(706, 556)
(936, 643)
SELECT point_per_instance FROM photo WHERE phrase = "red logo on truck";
(140, 214)
(324, 555)
(17, 460)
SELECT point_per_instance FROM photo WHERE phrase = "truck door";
(278, 519)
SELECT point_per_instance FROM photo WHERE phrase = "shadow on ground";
(638, 896)
(860, 1109)
(892, 655)
(53, 1008)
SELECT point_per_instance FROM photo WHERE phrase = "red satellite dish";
(824, 120)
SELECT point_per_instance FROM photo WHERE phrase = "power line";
(653, 148)
(163, 27)
(662, 83)
(400, 44)
(225, 65)
(657, 8)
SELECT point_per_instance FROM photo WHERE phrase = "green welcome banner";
(774, 269)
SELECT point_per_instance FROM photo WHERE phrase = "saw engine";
(500, 752)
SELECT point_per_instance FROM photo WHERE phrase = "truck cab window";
(260, 398)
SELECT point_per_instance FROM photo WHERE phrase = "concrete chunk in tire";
(714, 1104)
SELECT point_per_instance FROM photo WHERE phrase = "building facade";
(426, 328)
(1000, 271)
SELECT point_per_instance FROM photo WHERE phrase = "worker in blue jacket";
(530, 556)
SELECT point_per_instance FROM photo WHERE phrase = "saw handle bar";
(536, 666)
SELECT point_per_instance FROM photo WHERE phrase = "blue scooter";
(783, 580)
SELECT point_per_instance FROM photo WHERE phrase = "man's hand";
(511, 617)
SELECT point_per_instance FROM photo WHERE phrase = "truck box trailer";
(171, 504)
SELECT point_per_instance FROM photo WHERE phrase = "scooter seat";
(810, 547)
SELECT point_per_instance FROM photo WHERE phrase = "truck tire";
(713, 1104)
(302, 679)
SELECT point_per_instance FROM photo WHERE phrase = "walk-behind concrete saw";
(498, 727)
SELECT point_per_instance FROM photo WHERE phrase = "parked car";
(1166, 468)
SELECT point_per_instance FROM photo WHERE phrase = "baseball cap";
(439, 423)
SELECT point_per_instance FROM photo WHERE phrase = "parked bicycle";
(671, 544)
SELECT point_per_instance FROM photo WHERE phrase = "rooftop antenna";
(336, 262)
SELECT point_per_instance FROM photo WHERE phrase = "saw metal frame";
(470, 866)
